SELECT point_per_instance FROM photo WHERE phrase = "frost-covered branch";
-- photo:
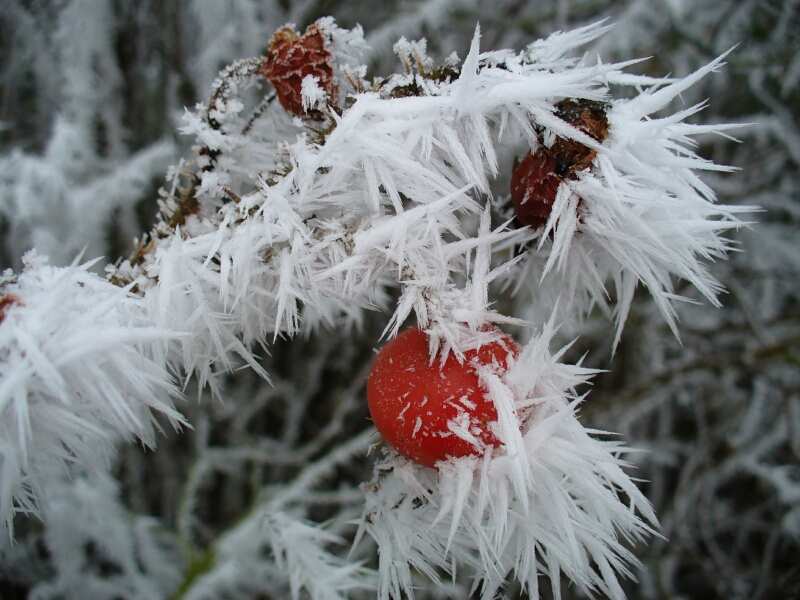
(318, 192)
(83, 367)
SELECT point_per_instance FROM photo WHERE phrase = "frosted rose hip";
(416, 405)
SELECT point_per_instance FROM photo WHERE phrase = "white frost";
(311, 92)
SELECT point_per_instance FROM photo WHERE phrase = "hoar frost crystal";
(304, 213)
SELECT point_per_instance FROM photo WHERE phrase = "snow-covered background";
(92, 99)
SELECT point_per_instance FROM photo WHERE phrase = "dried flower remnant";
(535, 181)
(429, 411)
(291, 58)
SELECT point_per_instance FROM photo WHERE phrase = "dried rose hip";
(534, 185)
(535, 181)
(291, 58)
(416, 404)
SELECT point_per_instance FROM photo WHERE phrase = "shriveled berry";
(426, 410)
(535, 181)
(291, 58)
(534, 185)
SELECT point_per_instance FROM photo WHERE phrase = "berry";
(534, 185)
(535, 181)
(291, 58)
(416, 403)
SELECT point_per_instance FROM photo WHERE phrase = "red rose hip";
(429, 411)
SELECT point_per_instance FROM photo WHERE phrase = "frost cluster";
(83, 367)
